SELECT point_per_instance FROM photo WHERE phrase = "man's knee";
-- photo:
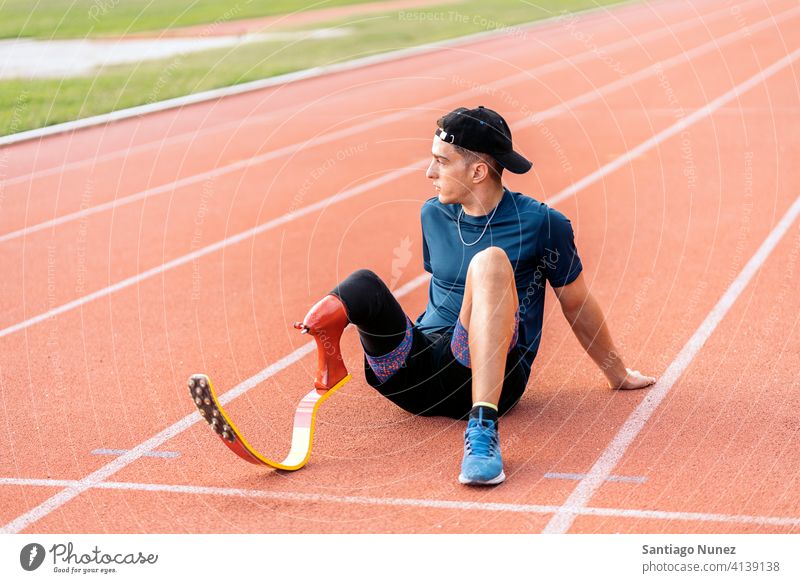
(364, 281)
(364, 295)
(491, 264)
(367, 276)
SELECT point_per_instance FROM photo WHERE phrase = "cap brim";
(513, 162)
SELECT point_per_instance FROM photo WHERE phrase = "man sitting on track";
(489, 251)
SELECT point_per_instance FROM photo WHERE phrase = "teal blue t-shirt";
(538, 240)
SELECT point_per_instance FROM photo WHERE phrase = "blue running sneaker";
(482, 463)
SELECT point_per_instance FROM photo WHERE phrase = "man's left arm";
(588, 323)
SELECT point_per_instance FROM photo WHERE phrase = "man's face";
(450, 172)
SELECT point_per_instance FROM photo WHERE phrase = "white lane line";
(211, 95)
(611, 456)
(535, 72)
(162, 454)
(576, 477)
(676, 128)
(407, 113)
(68, 494)
(525, 123)
(75, 488)
(412, 502)
(183, 260)
(196, 178)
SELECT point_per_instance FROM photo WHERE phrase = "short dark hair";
(471, 156)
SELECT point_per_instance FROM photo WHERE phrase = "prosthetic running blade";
(302, 434)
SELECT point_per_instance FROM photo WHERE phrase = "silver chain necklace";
(458, 224)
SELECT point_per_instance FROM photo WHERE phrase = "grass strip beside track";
(33, 103)
(82, 18)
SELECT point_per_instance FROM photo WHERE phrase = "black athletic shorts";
(430, 380)
(433, 382)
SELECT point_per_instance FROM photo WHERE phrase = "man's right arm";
(587, 320)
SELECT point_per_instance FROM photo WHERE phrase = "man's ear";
(480, 172)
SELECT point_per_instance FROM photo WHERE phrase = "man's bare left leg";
(488, 314)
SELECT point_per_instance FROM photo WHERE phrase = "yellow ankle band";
(485, 404)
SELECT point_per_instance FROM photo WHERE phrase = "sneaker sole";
(496, 480)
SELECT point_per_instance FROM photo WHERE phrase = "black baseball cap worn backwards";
(482, 130)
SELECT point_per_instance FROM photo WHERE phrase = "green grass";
(32, 104)
(82, 18)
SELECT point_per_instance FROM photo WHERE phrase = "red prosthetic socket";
(325, 321)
